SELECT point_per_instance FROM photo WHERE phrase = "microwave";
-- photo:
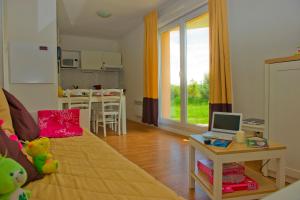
(70, 59)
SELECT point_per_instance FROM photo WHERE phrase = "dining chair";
(81, 99)
(95, 108)
(110, 112)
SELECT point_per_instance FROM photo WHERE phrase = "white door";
(284, 112)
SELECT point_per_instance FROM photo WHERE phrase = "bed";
(91, 169)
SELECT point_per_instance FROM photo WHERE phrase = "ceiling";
(78, 17)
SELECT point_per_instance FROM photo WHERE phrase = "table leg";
(280, 173)
(191, 166)
(265, 168)
(123, 115)
(218, 175)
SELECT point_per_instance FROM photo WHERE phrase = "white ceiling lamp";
(103, 13)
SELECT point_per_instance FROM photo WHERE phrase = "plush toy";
(11, 135)
(39, 151)
(16, 139)
(12, 177)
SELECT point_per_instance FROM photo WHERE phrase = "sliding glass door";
(170, 84)
(184, 62)
(197, 66)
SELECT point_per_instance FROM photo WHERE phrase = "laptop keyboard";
(218, 135)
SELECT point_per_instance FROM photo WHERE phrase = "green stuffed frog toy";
(12, 177)
(39, 151)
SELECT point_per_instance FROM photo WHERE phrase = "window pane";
(197, 57)
(170, 58)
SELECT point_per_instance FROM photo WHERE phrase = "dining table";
(63, 101)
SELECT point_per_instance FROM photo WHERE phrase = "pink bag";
(59, 123)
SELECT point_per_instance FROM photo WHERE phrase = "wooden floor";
(162, 154)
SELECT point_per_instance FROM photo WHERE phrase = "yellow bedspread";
(90, 169)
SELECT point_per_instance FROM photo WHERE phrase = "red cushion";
(24, 125)
(11, 150)
(59, 123)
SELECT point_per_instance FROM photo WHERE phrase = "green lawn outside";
(197, 112)
(198, 107)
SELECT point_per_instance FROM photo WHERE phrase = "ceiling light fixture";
(103, 13)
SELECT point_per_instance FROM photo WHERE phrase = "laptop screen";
(226, 122)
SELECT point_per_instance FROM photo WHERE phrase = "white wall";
(33, 21)
(84, 79)
(87, 43)
(259, 29)
(133, 61)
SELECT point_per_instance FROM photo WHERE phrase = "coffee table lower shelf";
(266, 186)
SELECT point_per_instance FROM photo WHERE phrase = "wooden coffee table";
(235, 153)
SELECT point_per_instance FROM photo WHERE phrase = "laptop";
(224, 125)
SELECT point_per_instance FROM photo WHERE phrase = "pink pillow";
(59, 123)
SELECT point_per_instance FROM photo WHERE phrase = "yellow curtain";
(220, 91)
(150, 101)
(151, 56)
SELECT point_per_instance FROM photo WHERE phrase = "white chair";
(110, 112)
(81, 99)
(95, 109)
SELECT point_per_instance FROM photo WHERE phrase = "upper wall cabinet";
(97, 60)
(91, 60)
(110, 58)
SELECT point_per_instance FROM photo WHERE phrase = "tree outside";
(197, 101)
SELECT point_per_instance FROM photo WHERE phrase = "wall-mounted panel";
(31, 63)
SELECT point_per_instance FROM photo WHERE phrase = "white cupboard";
(97, 60)
(111, 58)
(91, 60)
(282, 110)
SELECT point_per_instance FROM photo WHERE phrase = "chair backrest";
(111, 99)
(81, 98)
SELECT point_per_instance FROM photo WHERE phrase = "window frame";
(181, 23)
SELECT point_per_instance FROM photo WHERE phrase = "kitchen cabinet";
(98, 60)
(91, 60)
(111, 58)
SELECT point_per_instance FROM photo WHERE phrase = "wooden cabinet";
(95, 60)
(283, 110)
